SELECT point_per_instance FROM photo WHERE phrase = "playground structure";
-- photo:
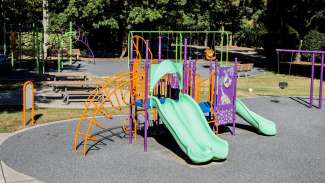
(22, 41)
(312, 76)
(28, 102)
(170, 90)
(25, 42)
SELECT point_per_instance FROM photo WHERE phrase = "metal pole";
(221, 46)
(188, 73)
(59, 56)
(312, 82)
(176, 54)
(227, 48)
(20, 44)
(131, 91)
(70, 43)
(278, 57)
(129, 38)
(185, 67)
(173, 32)
(321, 82)
(12, 46)
(37, 53)
(210, 81)
(235, 97)
(193, 78)
(146, 97)
(159, 49)
(4, 41)
(33, 42)
(180, 48)
(215, 85)
(299, 51)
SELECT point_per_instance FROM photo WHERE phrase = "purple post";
(312, 82)
(185, 67)
(159, 49)
(215, 85)
(193, 76)
(210, 75)
(188, 74)
(300, 51)
(235, 97)
(321, 83)
(131, 94)
(146, 97)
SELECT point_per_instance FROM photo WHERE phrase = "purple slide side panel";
(226, 85)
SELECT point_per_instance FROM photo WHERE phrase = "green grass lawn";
(268, 85)
(262, 85)
(11, 118)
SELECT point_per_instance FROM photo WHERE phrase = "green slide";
(263, 125)
(186, 122)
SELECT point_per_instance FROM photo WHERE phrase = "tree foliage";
(271, 24)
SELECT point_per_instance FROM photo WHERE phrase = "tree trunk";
(124, 38)
(206, 40)
(45, 28)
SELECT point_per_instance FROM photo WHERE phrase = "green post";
(4, 40)
(129, 37)
(181, 48)
(12, 58)
(70, 43)
(37, 53)
(20, 44)
(59, 56)
(42, 51)
(221, 45)
(176, 57)
(227, 47)
(12, 52)
(33, 42)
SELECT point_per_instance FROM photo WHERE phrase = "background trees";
(258, 23)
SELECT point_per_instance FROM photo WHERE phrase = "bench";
(81, 96)
(76, 53)
(245, 68)
(68, 75)
(65, 85)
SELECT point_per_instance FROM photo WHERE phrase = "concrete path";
(295, 154)
(9, 175)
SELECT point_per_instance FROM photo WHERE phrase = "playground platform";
(45, 152)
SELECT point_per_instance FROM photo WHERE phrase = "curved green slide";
(187, 124)
(263, 125)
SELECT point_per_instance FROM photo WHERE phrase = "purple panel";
(226, 92)
(174, 81)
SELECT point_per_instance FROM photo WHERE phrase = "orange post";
(28, 102)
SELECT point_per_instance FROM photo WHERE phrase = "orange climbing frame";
(112, 89)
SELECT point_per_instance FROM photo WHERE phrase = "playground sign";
(226, 97)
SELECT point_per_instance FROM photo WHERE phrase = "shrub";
(314, 40)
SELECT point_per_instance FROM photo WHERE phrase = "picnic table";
(68, 75)
(73, 84)
(85, 88)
